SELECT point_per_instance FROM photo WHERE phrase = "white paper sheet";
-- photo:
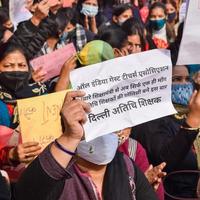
(125, 91)
(190, 43)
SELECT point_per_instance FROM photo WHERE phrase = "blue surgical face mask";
(157, 24)
(181, 93)
(64, 36)
(171, 17)
(89, 10)
(100, 151)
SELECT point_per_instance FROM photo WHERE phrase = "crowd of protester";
(153, 160)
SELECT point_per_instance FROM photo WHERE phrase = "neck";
(52, 42)
(90, 168)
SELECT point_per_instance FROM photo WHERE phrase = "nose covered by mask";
(181, 93)
(157, 24)
(89, 10)
(14, 80)
(121, 21)
(100, 151)
(171, 17)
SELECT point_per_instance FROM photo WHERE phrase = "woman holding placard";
(15, 74)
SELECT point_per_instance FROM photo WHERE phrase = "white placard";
(126, 91)
(190, 43)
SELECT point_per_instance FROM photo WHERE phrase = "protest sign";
(40, 118)
(52, 63)
(190, 43)
(125, 91)
(18, 11)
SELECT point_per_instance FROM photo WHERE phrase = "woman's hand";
(94, 25)
(41, 12)
(90, 24)
(25, 153)
(63, 81)
(38, 75)
(73, 114)
(155, 175)
(193, 118)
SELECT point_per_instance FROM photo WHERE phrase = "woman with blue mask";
(182, 88)
(71, 168)
(158, 26)
(90, 15)
(172, 15)
(173, 138)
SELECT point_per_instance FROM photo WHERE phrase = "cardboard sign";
(40, 118)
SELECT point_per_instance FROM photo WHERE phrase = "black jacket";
(31, 38)
(165, 141)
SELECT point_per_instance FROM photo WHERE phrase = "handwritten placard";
(40, 117)
(125, 91)
(52, 63)
(190, 43)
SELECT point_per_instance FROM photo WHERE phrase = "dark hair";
(171, 2)
(133, 26)
(64, 16)
(8, 47)
(36, 1)
(4, 15)
(119, 9)
(157, 5)
(114, 36)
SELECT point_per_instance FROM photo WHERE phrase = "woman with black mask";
(15, 74)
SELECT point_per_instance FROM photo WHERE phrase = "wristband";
(59, 146)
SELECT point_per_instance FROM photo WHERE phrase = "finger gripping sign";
(126, 91)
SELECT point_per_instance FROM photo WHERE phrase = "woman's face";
(157, 13)
(170, 8)
(14, 61)
(135, 43)
(91, 2)
(180, 75)
(69, 27)
(125, 15)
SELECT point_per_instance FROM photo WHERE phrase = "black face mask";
(14, 81)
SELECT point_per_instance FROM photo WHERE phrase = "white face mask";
(89, 10)
(100, 151)
(121, 21)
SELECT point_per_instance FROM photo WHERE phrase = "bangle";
(191, 129)
(59, 146)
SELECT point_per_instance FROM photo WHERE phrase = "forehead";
(157, 11)
(127, 12)
(91, 1)
(134, 38)
(15, 56)
(180, 70)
